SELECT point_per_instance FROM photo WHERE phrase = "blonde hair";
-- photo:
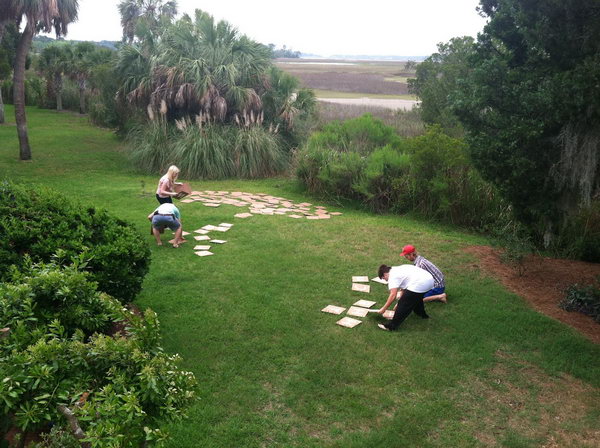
(172, 173)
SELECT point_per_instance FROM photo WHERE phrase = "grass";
(336, 94)
(485, 370)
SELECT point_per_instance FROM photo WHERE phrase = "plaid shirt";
(438, 277)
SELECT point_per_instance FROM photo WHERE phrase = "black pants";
(167, 200)
(410, 301)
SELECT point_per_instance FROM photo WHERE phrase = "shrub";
(38, 222)
(583, 298)
(257, 153)
(118, 389)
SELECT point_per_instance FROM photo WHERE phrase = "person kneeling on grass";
(413, 282)
(438, 292)
(167, 215)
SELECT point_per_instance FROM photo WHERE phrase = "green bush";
(38, 222)
(430, 174)
(584, 299)
(208, 150)
(119, 389)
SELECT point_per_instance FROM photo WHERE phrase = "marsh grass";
(276, 372)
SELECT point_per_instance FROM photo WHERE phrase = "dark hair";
(383, 269)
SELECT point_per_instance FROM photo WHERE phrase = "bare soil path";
(543, 284)
(377, 102)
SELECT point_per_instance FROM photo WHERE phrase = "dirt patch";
(543, 284)
(516, 400)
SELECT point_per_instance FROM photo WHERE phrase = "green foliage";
(207, 151)
(437, 79)
(430, 174)
(35, 87)
(584, 299)
(530, 107)
(39, 222)
(55, 356)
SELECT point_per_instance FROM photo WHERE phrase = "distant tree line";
(283, 52)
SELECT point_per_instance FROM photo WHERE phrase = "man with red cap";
(437, 293)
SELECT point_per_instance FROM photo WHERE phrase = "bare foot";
(159, 244)
(175, 245)
(444, 298)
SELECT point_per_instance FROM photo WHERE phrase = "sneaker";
(383, 327)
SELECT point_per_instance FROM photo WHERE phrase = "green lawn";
(274, 371)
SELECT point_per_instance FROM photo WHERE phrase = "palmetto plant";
(197, 67)
(41, 15)
(149, 14)
(52, 64)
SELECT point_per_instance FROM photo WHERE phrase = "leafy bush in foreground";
(39, 222)
(117, 390)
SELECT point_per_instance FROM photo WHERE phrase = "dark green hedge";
(40, 222)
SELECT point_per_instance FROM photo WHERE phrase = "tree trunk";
(19, 91)
(2, 119)
(58, 91)
(82, 96)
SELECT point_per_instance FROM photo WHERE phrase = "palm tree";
(152, 13)
(200, 68)
(41, 15)
(52, 64)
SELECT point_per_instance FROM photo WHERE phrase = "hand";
(381, 311)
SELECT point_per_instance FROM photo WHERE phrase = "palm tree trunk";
(2, 119)
(82, 96)
(19, 91)
(58, 91)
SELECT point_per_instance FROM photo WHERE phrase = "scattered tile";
(222, 229)
(209, 227)
(185, 233)
(218, 241)
(201, 247)
(379, 280)
(202, 238)
(361, 288)
(243, 215)
(364, 303)
(187, 201)
(333, 309)
(357, 311)
(201, 231)
(335, 213)
(203, 253)
(296, 216)
(212, 205)
(360, 278)
(348, 322)
(225, 224)
(312, 217)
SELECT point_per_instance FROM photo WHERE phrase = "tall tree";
(150, 14)
(8, 47)
(52, 64)
(531, 106)
(40, 15)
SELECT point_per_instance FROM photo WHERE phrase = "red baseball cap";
(408, 249)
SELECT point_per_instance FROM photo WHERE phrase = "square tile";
(202, 238)
(357, 311)
(348, 322)
(218, 241)
(360, 278)
(332, 309)
(361, 288)
(364, 303)
(379, 280)
(203, 253)
(202, 247)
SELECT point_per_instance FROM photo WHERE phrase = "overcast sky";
(324, 27)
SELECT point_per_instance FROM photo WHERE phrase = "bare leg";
(156, 234)
(177, 239)
(438, 298)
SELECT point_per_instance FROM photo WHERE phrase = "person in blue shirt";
(167, 216)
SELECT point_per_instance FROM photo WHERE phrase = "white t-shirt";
(411, 278)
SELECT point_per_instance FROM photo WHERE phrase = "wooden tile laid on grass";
(243, 215)
(364, 303)
(203, 253)
(361, 288)
(360, 278)
(202, 247)
(357, 311)
(379, 280)
(218, 241)
(348, 322)
(202, 238)
(333, 309)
